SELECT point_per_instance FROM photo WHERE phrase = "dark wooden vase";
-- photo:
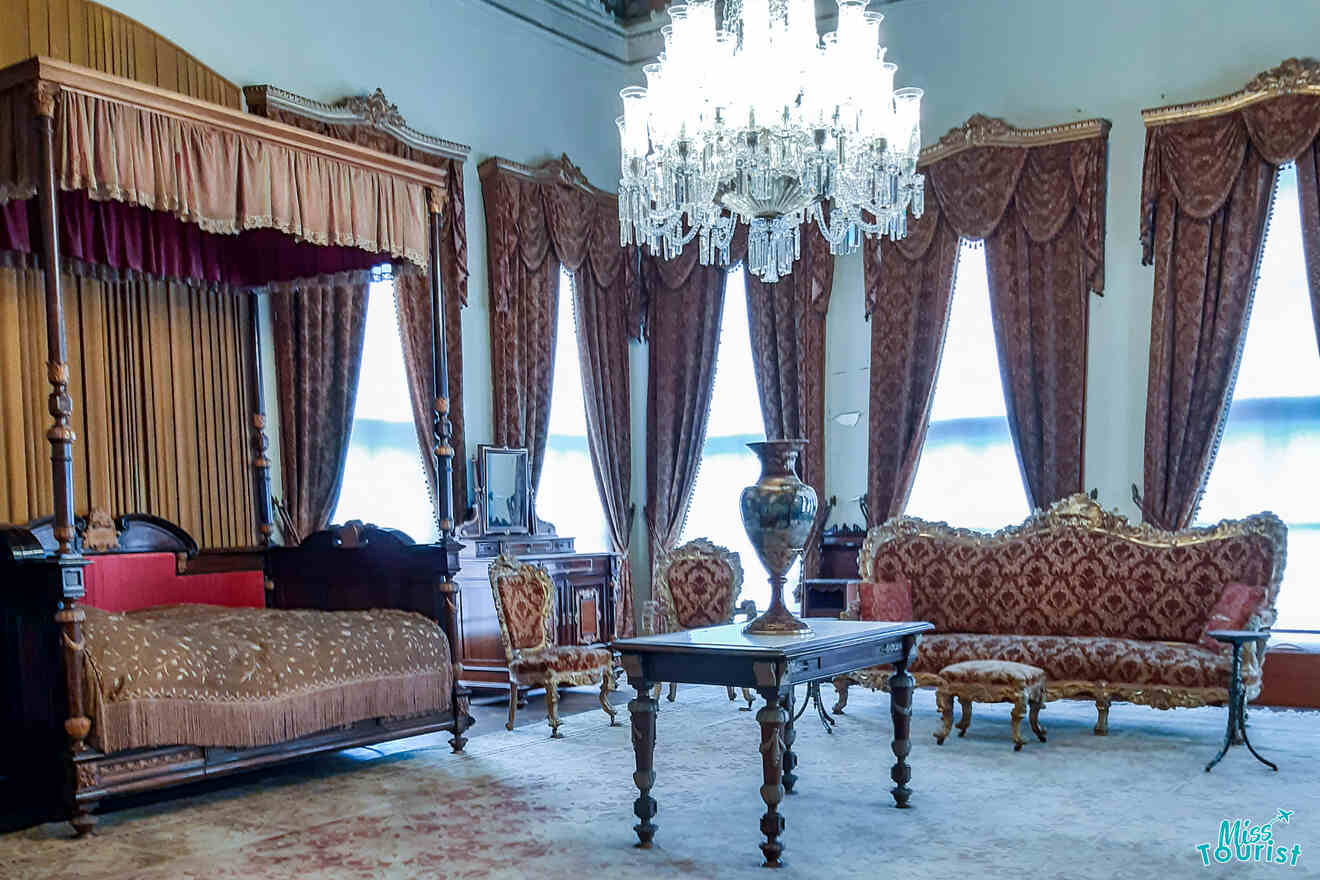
(777, 512)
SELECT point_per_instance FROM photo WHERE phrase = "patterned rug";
(1135, 803)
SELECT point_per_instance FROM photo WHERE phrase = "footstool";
(991, 681)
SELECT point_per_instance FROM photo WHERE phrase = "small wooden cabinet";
(584, 599)
(825, 595)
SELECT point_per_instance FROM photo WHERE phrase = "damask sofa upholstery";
(1109, 610)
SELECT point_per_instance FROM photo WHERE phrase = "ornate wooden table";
(772, 665)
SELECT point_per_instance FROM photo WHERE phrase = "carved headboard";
(99, 532)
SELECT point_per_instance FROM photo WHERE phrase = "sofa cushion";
(1232, 611)
(240, 677)
(1089, 658)
(1070, 580)
(883, 600)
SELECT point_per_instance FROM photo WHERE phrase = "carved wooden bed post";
(68, 559)
(260, 461)
(442, 430)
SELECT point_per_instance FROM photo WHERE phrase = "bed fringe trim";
(133, 724)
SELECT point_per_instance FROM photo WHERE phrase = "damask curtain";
(908, 302)
(319, 328)
(1036, 198)
(412, 303)
(1207, 188)
(787, 324)
(537, 220)
(685, 302)
(602, 332)
(1308, 184)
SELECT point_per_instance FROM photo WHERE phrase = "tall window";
(1270, 449)
(968, 474)
(384, 482)
(567, 496)
(727, 465)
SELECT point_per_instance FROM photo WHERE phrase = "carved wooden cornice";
(1296, 76)
(372, 111)
(987, 131)
(561, 170)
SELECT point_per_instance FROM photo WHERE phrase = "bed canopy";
(178, 201)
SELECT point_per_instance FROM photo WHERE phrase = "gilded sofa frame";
(1081, 510)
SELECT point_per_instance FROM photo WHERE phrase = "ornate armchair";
(695, 585)
(524, 603)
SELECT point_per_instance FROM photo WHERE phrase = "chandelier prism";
(762, 121)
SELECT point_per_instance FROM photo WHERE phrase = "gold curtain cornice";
(1295, 76)
(987, 131)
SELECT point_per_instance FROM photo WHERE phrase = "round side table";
(1237, 697)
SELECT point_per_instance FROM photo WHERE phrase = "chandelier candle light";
(763, 121)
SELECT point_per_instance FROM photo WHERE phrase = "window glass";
(384, 482)
(727, 465)
(968, 474)
(567, 496)
(1270, 451)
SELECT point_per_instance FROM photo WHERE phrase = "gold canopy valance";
(221, 169)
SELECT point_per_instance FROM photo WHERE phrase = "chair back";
(697, 585)
(524, 604)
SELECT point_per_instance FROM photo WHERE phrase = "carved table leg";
(1102, 703)
(944, 700)
(1037, 703)
(1019, 710)
(841, 688)
(643, 708)
(790, 735)
(965, 717)
(901, 684)
(772, 718)
(673, 691)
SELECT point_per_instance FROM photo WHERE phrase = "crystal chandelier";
(762, 121)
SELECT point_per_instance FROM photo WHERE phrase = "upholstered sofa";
(1109, 610)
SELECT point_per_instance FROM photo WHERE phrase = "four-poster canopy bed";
(108, 181)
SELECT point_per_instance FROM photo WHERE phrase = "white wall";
(1037, 62)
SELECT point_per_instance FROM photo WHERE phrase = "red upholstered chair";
(695, 585)
(524, 603)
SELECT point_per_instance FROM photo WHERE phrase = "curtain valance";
(551, 210)
(223, 171)
(985, 169)
(1195, 152)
